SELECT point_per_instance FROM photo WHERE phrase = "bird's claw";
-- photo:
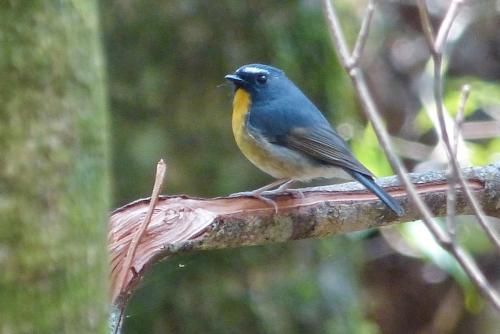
(258, 196)
(295, 193)
(241, 194)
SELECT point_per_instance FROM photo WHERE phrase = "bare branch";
(436, 46)
(137, 235)
(436, 51)
(338, 38)
(373, 115)
(459, 117)
(442, 237)
(479, 212)
(471, 269)
(450, 211)
(426, 25)
(438, 98)
(363, 35)
(451, 207)
(184, 224)
(448, 20)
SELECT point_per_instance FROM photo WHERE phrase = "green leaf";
(367, 150)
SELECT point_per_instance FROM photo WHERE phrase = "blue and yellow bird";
(283, 133)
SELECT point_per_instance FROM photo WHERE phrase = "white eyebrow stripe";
(254, 70)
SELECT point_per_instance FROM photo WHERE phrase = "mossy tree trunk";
(54, 185)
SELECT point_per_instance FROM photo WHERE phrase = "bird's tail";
(369, 183)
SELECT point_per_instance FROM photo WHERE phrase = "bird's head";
(263, 82)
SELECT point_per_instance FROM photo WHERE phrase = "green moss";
(53, 169)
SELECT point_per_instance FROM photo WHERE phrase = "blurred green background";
(166, 61)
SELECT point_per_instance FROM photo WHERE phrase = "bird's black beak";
(236, 80)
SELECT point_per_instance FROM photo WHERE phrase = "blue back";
(281, 106)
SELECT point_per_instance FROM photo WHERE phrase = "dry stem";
(436, 50)
(441, 236)
(127, 267)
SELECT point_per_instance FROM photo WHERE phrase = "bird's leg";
(280, 189)
(284, 187)
(258, 193)
(267, 187)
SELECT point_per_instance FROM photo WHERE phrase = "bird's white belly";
(282, 162)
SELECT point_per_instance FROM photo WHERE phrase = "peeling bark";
(184, 224)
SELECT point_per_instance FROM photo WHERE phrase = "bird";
(285, 135)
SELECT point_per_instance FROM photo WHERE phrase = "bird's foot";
(295, 193)
(258, 196)
(242, 194)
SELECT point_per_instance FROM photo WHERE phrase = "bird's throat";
(259, 153)
(241, 107)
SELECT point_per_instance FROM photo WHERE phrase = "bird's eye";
(262, 79)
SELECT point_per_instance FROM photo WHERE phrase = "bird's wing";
(325, 145)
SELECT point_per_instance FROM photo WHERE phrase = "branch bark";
(185, 224)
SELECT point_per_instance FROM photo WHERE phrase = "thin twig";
(373, 114)
(436, 48)
(484, 222)
(452, 190)
(363, 34)
(426, 25)
(436, 52)
(370, 109)
(438, 98)
(448, 20)
(472, 270)
(161, 168)
(337, 35)
(459, 117)
(451, 198)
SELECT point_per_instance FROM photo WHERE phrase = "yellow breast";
(253, 150)
(247, 144)
(241, 107)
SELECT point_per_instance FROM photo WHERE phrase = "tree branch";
(448, 20)
(185, 224)
(442, 237)
(127, 266)
(436, 49)
(363, 35)
(373, 115)
(450, 210)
